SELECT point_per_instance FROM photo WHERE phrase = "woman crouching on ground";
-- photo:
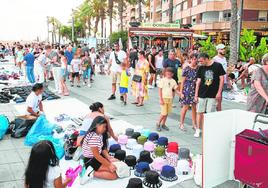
(97, 160)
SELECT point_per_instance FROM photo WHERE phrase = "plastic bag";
(41, 127)
(42, 130)
(20, 127)
(4, 124)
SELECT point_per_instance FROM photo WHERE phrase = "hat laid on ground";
(131, 161)
(114, 148)
(145, 132)
(153, 137)
(135, 135)
(138, 129)
(159, 151)
(131, 143)
(120, 155)
(122, 170)
(158, 164)
(220, 46)
(141, 168)
(173, 147)
(149, 146)
(152, 179)
(172, 159)
(145, 156)
(137, 149)
(142, 139)
(184, 153)
(168, 173)
(122, 139)
(111, 141)
(183, 167)
(129, 132)
(134, 183)
(162, 141)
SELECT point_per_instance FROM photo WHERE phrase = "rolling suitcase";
(251, 156)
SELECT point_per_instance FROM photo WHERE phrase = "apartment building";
(212, 17)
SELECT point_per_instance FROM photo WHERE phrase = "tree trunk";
(233, 33)
(170, 20)
(140, 20)
(120, 13)
(111, 5)
(102, 15)
(96, 25)
(59, 34)
(89, 26)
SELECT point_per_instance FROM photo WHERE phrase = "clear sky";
(26, 19)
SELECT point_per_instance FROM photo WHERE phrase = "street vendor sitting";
(34, 101)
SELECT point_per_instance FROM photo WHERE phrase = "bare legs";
(105, 173)
(63, 87)
(183, 114)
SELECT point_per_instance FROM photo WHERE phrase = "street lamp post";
(72, 25)
(47, 29)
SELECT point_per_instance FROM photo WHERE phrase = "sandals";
(135, 103)
(139, 105)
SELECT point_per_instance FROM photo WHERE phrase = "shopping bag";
(251, 151)
(21, 126)
(4, 124)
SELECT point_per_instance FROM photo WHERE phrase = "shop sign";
(160, 25)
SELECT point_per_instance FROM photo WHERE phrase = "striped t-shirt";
(90, 141)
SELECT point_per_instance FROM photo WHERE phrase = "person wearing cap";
(209, 86)
(151, 60)
(117, 57)
(258, 95)
(220, 58)
(167, 87)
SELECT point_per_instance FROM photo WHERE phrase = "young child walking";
(125, 74)
(167, 87)
(43, 168)
(86, 66)
(76, 68)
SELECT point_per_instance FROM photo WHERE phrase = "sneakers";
(158, 128)
(150, 87)
(87, 176)
(165, 127)
(197, 133)
(89, 85)
(122, 98)
(112, 97)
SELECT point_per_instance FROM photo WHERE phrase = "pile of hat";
(151, 157)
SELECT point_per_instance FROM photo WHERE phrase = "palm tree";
(233, 33)
(170, 20)
(55, 25)
(110, 12)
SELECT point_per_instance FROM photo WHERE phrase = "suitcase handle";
(260, 120)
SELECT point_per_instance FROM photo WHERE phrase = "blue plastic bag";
(4, 123)
(42, 130)
(41, 127)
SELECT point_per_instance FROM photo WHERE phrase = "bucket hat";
(162, 141)
(145, 132)
(134, 183)
(135, 135)
(158, 164)
(141, 168)
(122, 139)
(131, 143)
(173, 147)
(184, 153)
(131, 161)
(172, 159)
(183, 167)
(145, 156)
(149, 146)
(168, 173)
(122, 170)
(129, 132)
(114, 148)
(153, 137)
(152, 179)
(159, 152)
(111, 141)
(142, 139)
(137, 149)
(120, 155)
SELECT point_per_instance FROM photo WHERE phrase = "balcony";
(212, 26)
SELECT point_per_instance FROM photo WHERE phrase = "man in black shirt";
(151, 60)
(209, 85)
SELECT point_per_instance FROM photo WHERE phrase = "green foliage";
(66, 31)
(208, 47)
(115, 36)
(247, 44)
(261, 50)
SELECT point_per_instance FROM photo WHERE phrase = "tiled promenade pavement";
(14, 155)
